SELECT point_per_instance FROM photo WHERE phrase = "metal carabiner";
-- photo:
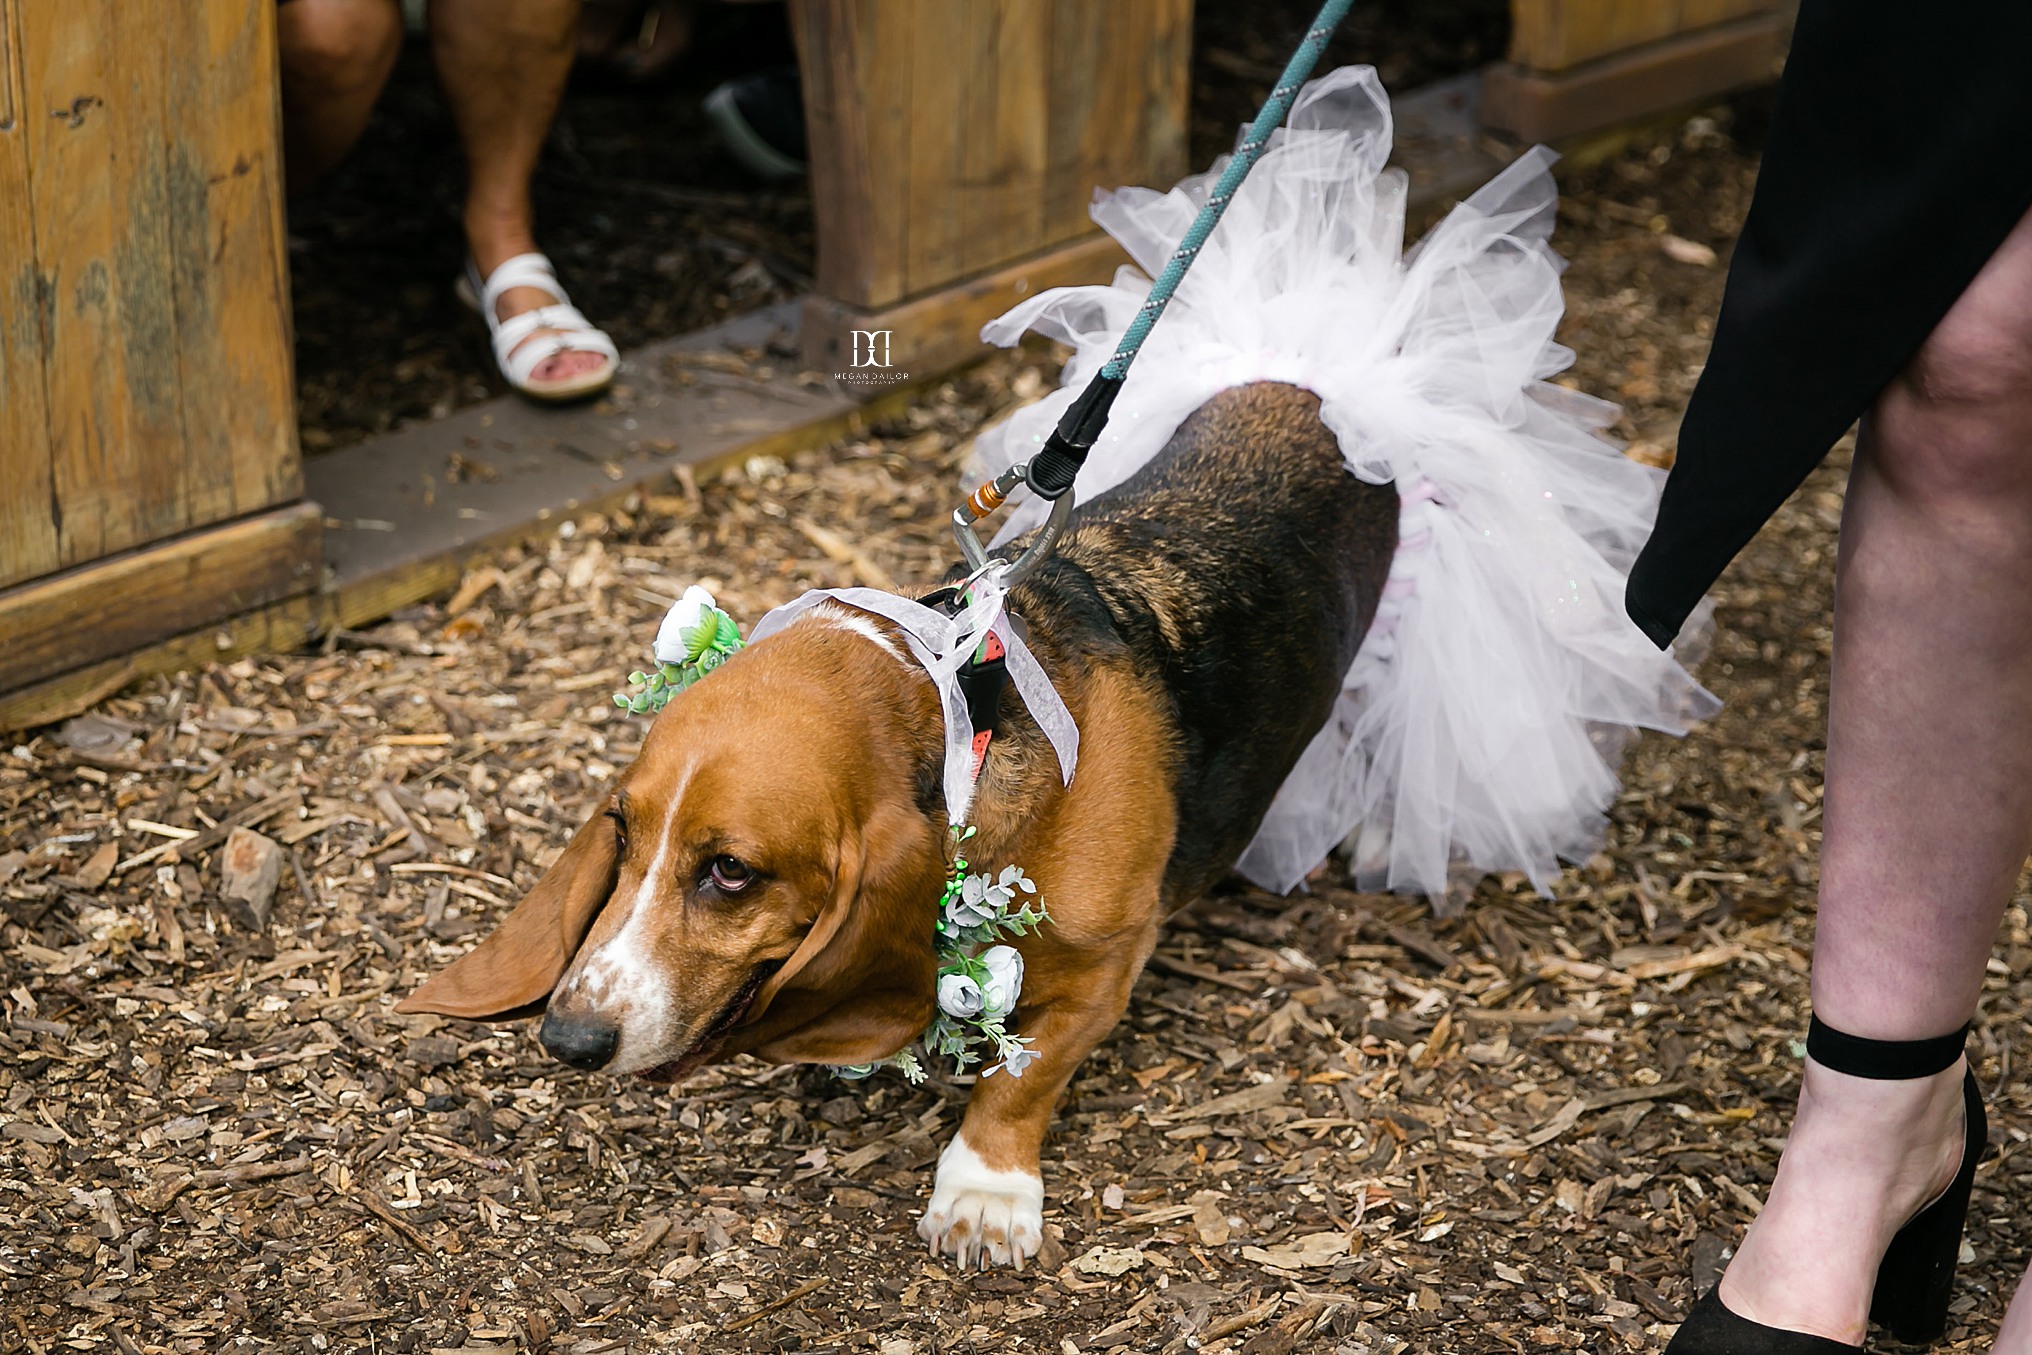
(986, 500)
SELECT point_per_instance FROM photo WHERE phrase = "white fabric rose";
(960, 997)
(686, 613)
(1005, 981)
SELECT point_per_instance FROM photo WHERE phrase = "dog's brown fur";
(1197, 622)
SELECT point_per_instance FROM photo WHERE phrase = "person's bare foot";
(1864, 1157)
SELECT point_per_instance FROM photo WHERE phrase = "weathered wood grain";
(231, 281)
(1552, 35)
(932, 180)
(1118, 104)
(28, 535)
(1005, 125)
(145, 384)
(859, 131)
(948, 140)
(9, 78)
(1646, 81)
(94, 99)
(107, 608)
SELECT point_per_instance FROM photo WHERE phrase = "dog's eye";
(729, 874)
(620, 826)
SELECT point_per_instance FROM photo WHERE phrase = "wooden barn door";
(955, 148)
(149, 474)
(1579, 66)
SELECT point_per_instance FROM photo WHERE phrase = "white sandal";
(517, 358)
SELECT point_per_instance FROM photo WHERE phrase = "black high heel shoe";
(1915, 1280)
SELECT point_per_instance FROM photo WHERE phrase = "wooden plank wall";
(28, 536)
(1583, 66)
(951, 139)
(1551, 35)
(145, 379)
(138, 597)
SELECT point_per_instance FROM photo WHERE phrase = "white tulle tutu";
(1483, 719)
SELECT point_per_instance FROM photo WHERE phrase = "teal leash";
(1246, 155)
(1051, 472)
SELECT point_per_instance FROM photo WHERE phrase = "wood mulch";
(1329, 1123)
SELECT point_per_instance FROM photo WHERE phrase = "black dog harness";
(983, 676)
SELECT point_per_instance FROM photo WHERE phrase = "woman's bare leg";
(503, 64)
(2016, 1337)
(1929, 797)
(336, 58)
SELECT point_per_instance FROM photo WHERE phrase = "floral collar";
(977, 989)
(976, 992)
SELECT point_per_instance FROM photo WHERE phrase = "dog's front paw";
(981, 1216)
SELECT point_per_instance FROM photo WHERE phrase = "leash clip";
(986, 500)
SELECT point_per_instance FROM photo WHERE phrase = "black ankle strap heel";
(1882, 1060)
(1915, 1280)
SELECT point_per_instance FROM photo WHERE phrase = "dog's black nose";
(579, 1042)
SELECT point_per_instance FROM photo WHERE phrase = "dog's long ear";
(520, 962)
(861, 984)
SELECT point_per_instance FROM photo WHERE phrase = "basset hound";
(765, 877)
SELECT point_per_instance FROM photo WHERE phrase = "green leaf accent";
(730, 634)
(979, 1039)
(707, 646)
(697, 639)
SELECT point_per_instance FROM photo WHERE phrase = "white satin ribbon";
(943, 644)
